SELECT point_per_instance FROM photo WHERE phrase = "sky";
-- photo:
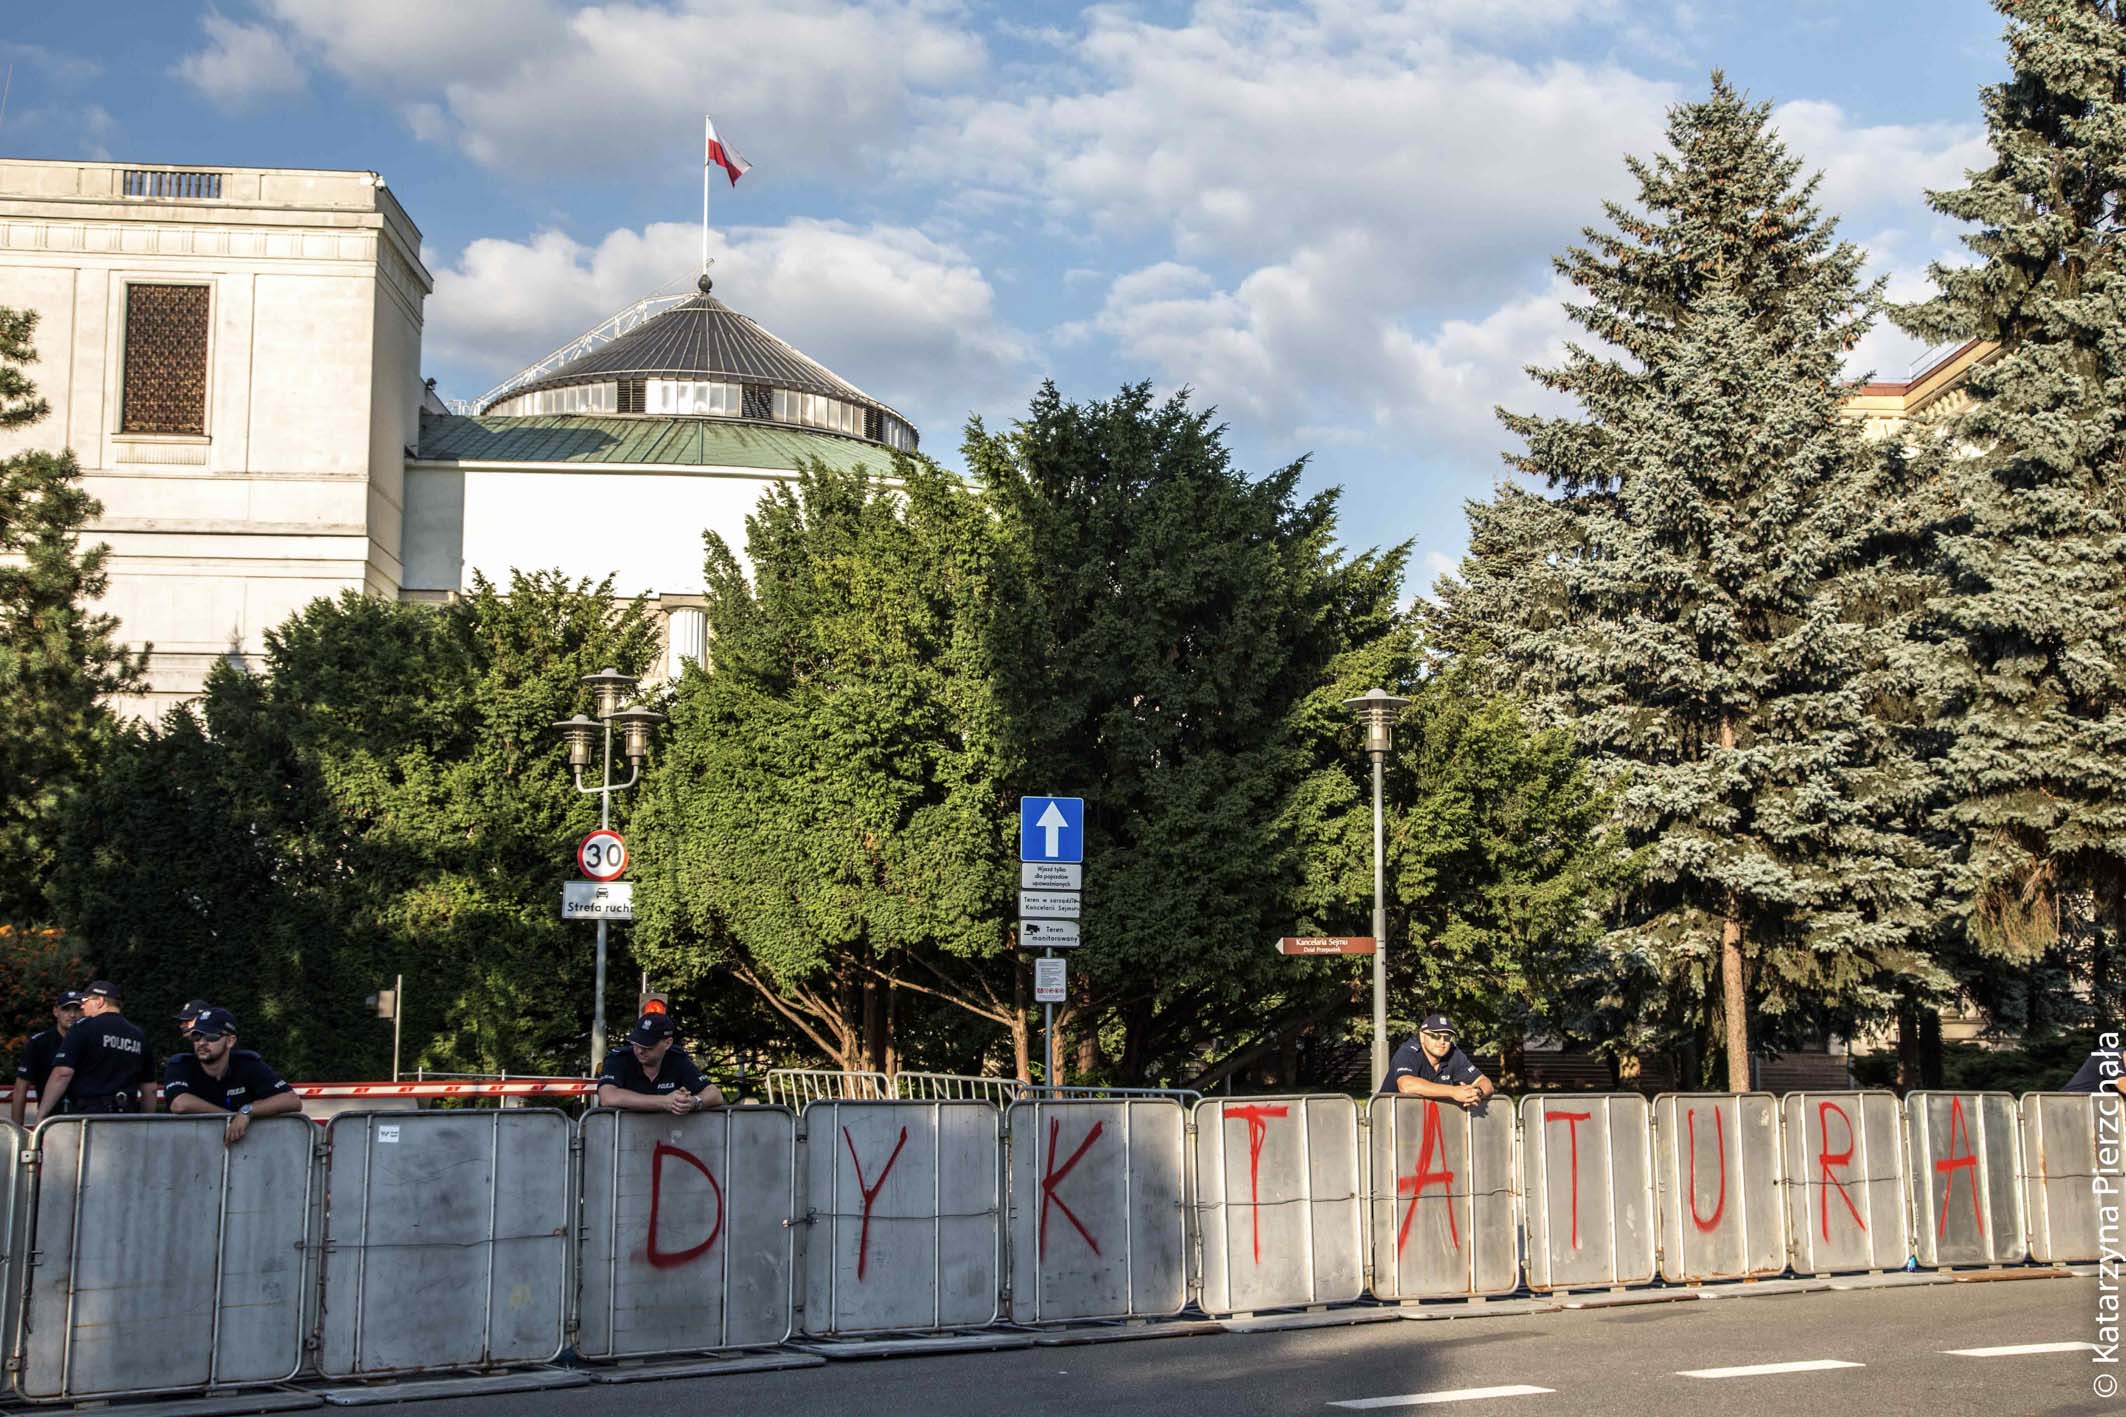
(1332, 221)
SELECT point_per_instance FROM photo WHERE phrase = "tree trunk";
(1930, 1048)
(1908, 1047)
(1021, 1025)
(1735, 1000)
(874, 1024)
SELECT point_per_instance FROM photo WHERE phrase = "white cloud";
(1877, 169)
(241, 65)
(909, 320)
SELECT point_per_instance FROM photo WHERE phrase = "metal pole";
(605, 820)
(398, 1012)
(1380, 933)
(1048, 1038)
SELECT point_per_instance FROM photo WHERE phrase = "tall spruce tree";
(1691, 595)
(60, 659)
(2033, 541)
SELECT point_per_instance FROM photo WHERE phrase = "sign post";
(1051, 873)
(602, 856)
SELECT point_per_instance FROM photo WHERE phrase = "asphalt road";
(1626, 1360)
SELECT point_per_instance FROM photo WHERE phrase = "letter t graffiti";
(1572, 1122)
(1258, 1120)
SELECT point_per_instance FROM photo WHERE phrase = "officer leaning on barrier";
(651, 1073)
(102, 1064)
(1430, 1065)
(2101, 1069)
(217, 1076)
(35, 1069)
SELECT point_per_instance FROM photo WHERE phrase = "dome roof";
(704, 341)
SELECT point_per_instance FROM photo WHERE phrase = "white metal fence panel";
(164, 1259)
(1099, 1225)
(1717, 1162)
(955, 1087)
(1967, 1204)
(688, 1241)
(1278, 1217)
(1589, 1189)
(905, 1216)
(446, 1240)
(795, 1087)
(1846, 1186)
(1445, 1214)
(15, 1190)
(2073, 1147)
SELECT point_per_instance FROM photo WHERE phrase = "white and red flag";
(722, 154)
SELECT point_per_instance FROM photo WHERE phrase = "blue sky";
(1333, 221)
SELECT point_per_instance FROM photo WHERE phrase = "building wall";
(313, 392)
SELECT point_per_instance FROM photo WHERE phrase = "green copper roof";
(680, 442)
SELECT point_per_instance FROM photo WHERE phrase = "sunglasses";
(1434, 1033)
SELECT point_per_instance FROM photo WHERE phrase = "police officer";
(1430, 1065)
(102, 1065)
(2101, 1069)
(35, 1069)
(651, 1073)
(218, 1077)
(185, 1016)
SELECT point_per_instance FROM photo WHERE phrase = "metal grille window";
(631, 395)
(758, 404)
(140, 182)
(165, 359)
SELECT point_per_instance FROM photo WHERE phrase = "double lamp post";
(1376, 709)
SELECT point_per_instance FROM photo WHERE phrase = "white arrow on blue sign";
(1051, 828)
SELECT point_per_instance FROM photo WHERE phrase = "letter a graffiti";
(1258, 1120)
(1414, 1184)
(1053, 1177)
(1825, 1161)
(1955, 1162)
(1720, 1136)
(667, 1259)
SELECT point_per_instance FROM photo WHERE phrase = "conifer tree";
(1694, 597)
(2032, 604)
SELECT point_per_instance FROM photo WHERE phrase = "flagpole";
(704, 196)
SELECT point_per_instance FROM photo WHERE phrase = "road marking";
(2017, 1350)
(1460, 1394)
(1758, 1370)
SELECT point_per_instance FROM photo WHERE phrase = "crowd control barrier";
(1846, 1182)
(1098, 1209)
(1588, 1190)
(446, 1240)
(16, 1183)
(904, 1216)
(1444, 1217)
(1716, 1160)
(688, 1239)
(163, 1259)
(2072, 1145)
(955, 1087)
(1966, 1202)
(1278, 1216)
(794, 1087)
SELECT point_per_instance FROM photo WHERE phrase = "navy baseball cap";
(214, 1023)
(102, 989)
(193, 1009)
(71, 999)
(1437, 1023)
(649, 1028)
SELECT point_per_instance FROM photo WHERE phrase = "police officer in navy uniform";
(2101, 1069)
(188, 1015)
(218, 1077)
(102, 1065)
(35, 1069)
(1430, 1065)
(651, 1073)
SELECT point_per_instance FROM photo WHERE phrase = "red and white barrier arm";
(552, 1087)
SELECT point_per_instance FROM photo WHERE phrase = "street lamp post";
(1376, 709)
(609, 687)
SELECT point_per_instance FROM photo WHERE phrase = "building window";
(687, 639)
(631, 391)
(143, 182)
(165, 359)
(757, 402)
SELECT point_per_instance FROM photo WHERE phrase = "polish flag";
(723, 156)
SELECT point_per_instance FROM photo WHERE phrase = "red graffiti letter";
(870, 1194)
(1054, 1178)
(1954, 1163)
(1572, 1122)
(1414, 1184)
(666, 1259)
(1719, 1135)
(1825, 1161)
(1258, 1120)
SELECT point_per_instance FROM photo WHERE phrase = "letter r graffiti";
(1825, 1161)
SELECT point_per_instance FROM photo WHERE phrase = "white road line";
(1428, 1399)
(1758, 1370)
(2017, 1350)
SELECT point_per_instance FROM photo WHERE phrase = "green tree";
(60, 659)
(1695, 597)
(2032, 497)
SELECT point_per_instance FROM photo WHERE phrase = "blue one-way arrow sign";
(1051, 828)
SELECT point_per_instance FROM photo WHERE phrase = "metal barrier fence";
(446, 1241)
(1845, 1181)
(795, 1087)
(688, 1239)
(1589, 1211)
(1099, 1227)
(1720, 1209)
(1442, 1198)
(16, 1187)
(905, 1216)
(956, 1087)
(1278, 1215)
(2072, 1154)
(1187, 1097)
(163, 1259)
(1966, 1166)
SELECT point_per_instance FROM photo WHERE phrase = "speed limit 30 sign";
(602, 855)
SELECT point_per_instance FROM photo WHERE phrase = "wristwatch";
(244, 1110)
